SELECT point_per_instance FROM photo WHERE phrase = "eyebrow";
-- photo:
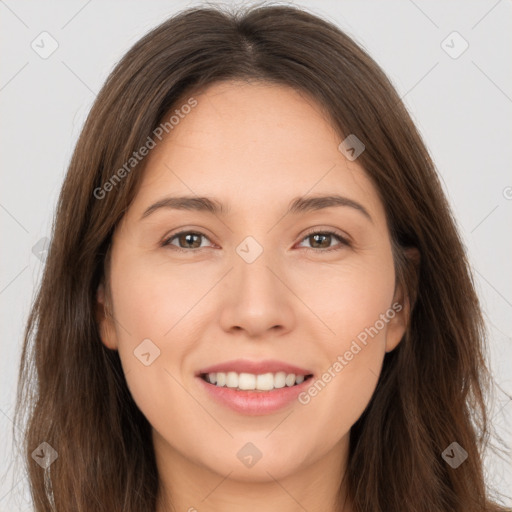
(297, 205)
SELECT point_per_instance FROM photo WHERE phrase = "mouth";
(254, 388)
(241, 392)
(251, 375)
(262, 383)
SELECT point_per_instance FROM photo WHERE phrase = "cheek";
(153, 299)
(152, 306)
(353, 303)
(348, 296)
(161, 308)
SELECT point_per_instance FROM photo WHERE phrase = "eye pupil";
(187, 239)
(320, 235)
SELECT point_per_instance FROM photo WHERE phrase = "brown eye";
(323, 239)
(186, 240)
(320, 240)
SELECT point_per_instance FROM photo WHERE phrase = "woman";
(187, 351)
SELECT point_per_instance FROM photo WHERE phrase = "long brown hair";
(431, 392)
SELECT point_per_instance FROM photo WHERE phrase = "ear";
(105, 319)
(401, 305)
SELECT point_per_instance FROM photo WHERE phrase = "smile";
(253, 382)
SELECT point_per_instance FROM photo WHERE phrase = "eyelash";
(343, 240)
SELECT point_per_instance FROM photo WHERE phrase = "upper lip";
(254, 367)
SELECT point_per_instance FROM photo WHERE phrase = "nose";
(256, 299)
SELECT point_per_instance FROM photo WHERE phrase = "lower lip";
(255, 403)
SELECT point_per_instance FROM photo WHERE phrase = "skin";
(254, 147)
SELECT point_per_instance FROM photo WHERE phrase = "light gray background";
(462, 107)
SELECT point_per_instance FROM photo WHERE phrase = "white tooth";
(247, 381)
(265, 382)
(290, 379)
(232, 380)
(279, 380)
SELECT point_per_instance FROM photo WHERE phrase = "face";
(251, 283)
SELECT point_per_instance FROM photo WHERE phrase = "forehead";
(244, 118)
(249, 144)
